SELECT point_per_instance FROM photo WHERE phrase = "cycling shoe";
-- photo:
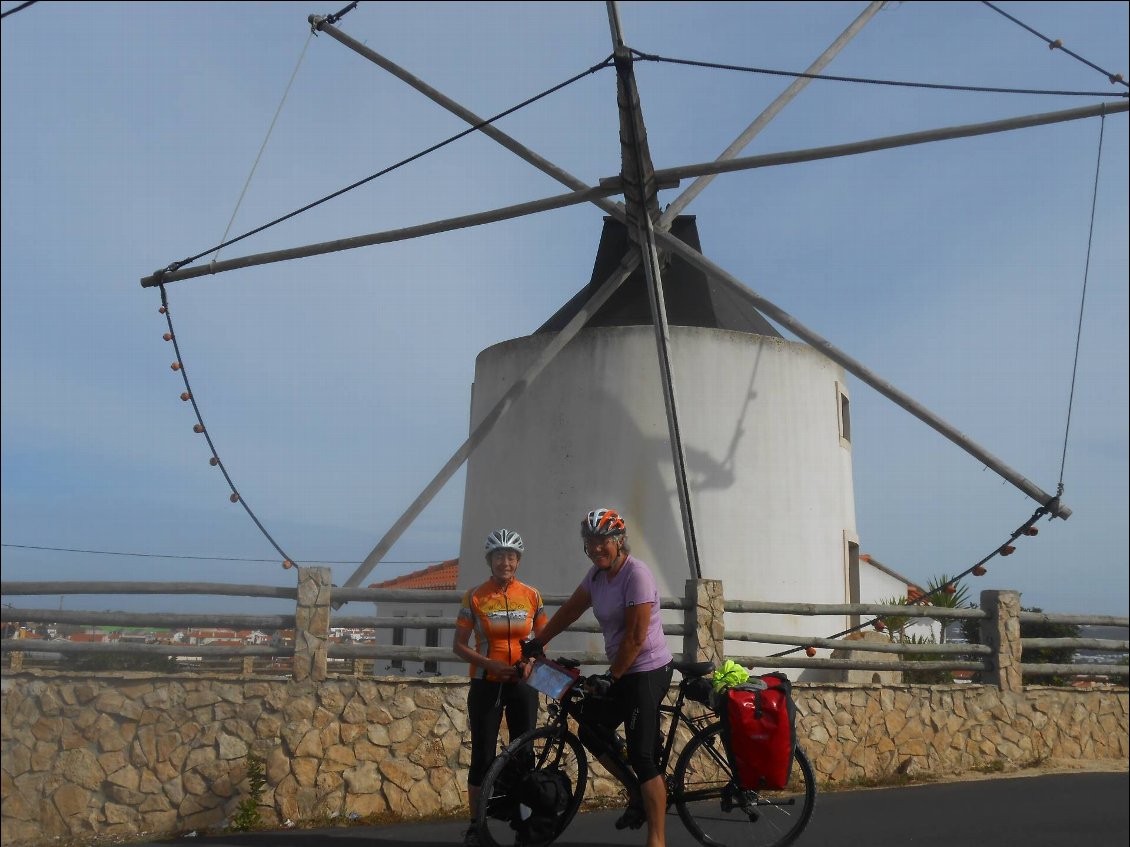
(633, 818)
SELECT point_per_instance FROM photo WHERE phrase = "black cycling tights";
(486, 702)
(633, 701)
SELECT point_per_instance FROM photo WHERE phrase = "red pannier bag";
(759, 730)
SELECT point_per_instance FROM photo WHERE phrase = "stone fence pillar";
(1001, 632)
(312, 624)
(704, 637)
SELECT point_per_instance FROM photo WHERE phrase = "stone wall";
(116, 755)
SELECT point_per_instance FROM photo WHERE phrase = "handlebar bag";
(759, 730)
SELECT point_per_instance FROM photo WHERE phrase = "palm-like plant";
(896, 624)
(947, 594)
(896, 630)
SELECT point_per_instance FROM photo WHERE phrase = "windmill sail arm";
(487, 217)
(642, 201)
(888, 142)
(607, 188)
(860, 371)
(666, 177)
(504, 404)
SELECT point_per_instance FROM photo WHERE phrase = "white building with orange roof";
(439, 577)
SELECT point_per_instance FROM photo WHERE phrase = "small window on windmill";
(844, 413)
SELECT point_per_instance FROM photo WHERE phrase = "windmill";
(654, 247)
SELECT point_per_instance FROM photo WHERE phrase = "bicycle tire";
(718, 813)
(545, 747)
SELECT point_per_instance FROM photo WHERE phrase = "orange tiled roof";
(442, 577)
(211, 632)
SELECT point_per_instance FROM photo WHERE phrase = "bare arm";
(577, 604)
(637, 618)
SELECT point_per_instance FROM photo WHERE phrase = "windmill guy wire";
(979, 89)
(263, 146)
(1057, 44)
(1082, 303)
(159, 275)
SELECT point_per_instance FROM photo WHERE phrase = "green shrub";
(1035, 655)
(896, 631)
(246, 817)
(928, 675)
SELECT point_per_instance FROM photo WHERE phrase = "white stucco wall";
(769, 474)
(877, 586)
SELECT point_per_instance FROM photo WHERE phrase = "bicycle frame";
(570, 707)
(700, 782)
(667, 765)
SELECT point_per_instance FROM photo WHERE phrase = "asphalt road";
(1056, 810)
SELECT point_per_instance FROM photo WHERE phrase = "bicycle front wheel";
(719, 813)
(504, 819)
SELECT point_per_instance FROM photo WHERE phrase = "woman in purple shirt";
(622, 593)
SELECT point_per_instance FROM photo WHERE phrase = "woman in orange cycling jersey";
(501, 613)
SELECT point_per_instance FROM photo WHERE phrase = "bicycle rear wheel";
(503, 820)
(719, 813)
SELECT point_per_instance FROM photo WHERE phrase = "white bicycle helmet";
(504, 539)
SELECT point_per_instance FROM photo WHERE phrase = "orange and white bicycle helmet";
(603, 522)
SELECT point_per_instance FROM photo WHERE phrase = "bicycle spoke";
(719, 813)
(504, 820)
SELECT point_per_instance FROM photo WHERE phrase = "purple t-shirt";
(632, 585)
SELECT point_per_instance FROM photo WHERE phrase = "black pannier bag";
(543, 797)
(503, 803)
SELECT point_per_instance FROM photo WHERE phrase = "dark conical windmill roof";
(692, 298)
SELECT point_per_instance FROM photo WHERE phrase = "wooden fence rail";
(995, 661)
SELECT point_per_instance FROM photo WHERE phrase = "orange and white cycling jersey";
(501, 618)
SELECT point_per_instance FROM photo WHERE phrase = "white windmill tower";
(764, 425)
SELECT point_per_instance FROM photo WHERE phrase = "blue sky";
(335, 387)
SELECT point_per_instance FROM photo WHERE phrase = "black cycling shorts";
(486, 702)
(633, 700)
